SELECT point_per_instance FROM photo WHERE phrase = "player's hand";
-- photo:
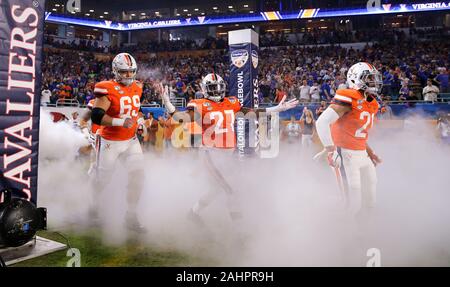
(333, 157)
(375, 159)
(283, 105)
(128, 123)
(164, 93)
(165, 98)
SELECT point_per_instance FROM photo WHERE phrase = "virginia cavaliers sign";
(21, 31)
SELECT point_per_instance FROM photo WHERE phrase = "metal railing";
(67, 103)
(153, 105)
(178, 102)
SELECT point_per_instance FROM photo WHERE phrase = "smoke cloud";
(292, 211)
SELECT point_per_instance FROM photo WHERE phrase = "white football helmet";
(124, 62)
(213, 87)
(363, 76)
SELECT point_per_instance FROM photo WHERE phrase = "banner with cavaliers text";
(21, 37)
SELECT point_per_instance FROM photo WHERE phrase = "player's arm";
(375, 159)
(99, 116)
(281, 107)
(85, 118)
(323, 128)
(326, 119)
(165, 98)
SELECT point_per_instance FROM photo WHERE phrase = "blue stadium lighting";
(250, 17)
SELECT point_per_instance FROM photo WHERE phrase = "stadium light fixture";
(54, 9)
(143, 14)
(245, 5)
(92, 11)
(185, 10)
(56, 5)
(196, 9)
(87, 14)
(106, 13)
(157, 12)
(203, 13)
(230, 7)
(189, 15)
(214, 8)
(178, 14)
(251, 11)
(101, 16)
(133, 15)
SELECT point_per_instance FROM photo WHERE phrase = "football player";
(217, 114)
(116, 109)
(343, 129)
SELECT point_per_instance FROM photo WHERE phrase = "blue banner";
(243, 81)
(251, 17)
(21, 35)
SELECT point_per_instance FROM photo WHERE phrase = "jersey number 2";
(361, 132)
(229, 114)
(127, 104)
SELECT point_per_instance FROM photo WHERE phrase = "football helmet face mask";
(213, 87)
(363, 76)
(124, 68)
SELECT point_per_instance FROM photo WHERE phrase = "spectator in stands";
(307, 123)
(314, 91)
(442, 80)
(326, 93)
(169, 126)
(292, 131)
(320, 109)
(385, 111)
(142, 136)
(404, 91)
(430, 92)
(152, 128)
(304, 92)
(279, 94)
(45, 96)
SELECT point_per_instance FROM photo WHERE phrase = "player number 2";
(229, 114)
(127, 104)
(361, 132)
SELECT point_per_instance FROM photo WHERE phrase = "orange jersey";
(94, 128)
(217, 121)
(125, 102)
(351, 131)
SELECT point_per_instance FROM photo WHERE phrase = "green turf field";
(96, 254)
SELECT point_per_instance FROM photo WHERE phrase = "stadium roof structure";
(178, 22)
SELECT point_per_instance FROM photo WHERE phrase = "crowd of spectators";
(412, 70)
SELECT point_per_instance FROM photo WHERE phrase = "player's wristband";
(117, 122)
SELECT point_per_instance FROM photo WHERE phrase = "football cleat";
(132, 223)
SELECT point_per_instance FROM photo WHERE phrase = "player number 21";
(229, 114)
(361, 132)
(127, 104)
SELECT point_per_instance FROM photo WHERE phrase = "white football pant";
(360, 179)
